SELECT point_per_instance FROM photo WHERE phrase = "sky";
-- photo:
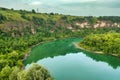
(67, 7)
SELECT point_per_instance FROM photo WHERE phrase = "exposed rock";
(98, 24)
(33, 31)
(70, 27)
(102, 24)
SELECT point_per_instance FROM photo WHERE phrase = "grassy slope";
(15, 20)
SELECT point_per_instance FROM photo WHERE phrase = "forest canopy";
(108, 43)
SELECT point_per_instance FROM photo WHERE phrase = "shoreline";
(77, 46)
(74, 43)
(96, 52)
(31, 47)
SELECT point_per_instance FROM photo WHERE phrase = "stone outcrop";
(98, 24)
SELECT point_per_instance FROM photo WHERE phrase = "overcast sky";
(70, 7)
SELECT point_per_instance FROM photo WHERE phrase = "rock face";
(97, 25)
(82, 25)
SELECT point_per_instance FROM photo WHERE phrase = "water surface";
(65, 62)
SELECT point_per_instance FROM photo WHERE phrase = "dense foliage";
(35, 72)
(20, 30)
(108, 43)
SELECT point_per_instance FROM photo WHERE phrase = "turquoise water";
(65, 62)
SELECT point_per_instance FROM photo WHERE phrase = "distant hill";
(21, 22)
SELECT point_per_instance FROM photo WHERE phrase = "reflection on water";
(63, 47)
(114, 62)
(51, 49)
(65, 62)
(78, 66)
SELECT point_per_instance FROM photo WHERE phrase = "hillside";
(20, 22)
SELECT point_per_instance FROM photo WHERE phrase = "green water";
(65, 62)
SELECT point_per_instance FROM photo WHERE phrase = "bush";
(2, 18)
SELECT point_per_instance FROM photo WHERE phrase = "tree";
(33, 11)
(51, 13)
(39, 21)
(92, 20)
(22, 75)
(14, 73)
(12, 8)
(3, 63)
(2, 18)
(6, 71)
(14, 56)
(37, 72)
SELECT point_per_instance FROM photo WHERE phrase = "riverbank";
(29, 50)
(97, 52)
(31, 47)
(77, 46)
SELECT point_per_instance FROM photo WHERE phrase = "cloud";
(93, 4)
(74, 1)
(72, 7)
(35, 3)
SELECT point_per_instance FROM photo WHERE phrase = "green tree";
(33, 11)
(92, 20)
(14, 73)
(22, 75)
(6, 71)
(37, 72)
(2, 18)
